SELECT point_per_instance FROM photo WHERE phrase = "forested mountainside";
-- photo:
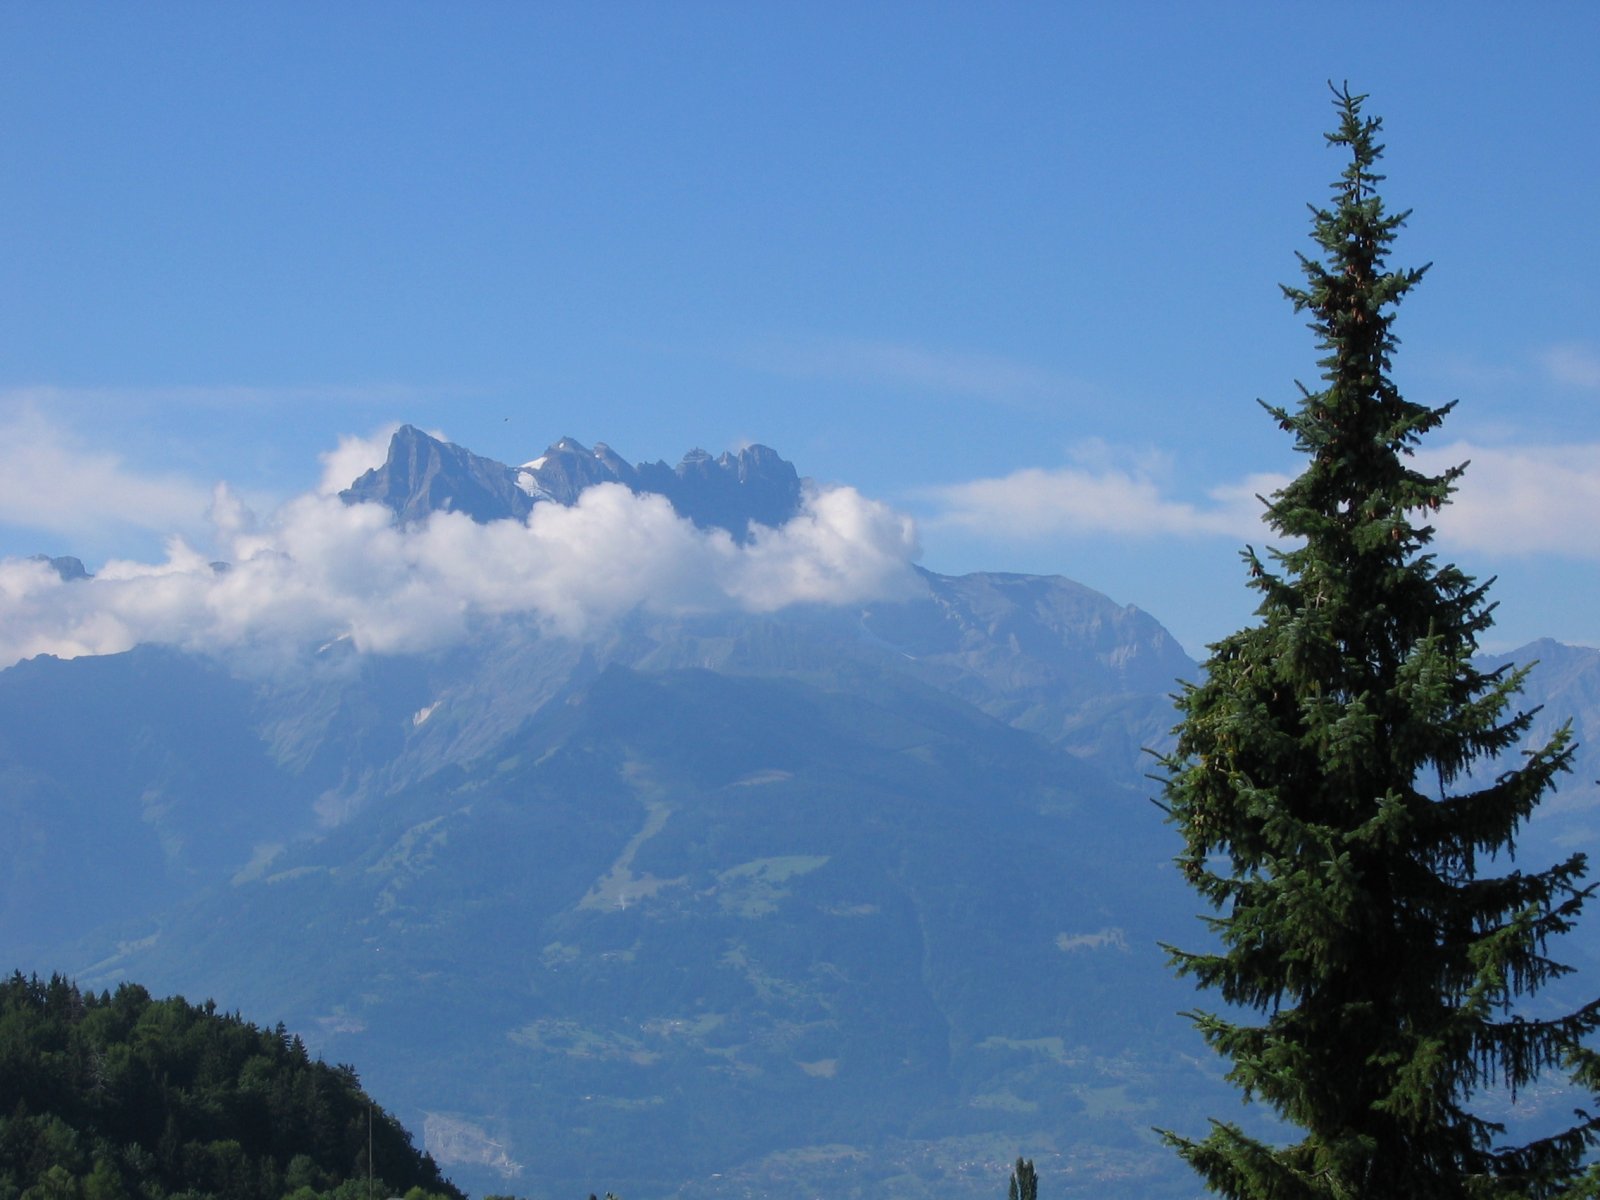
(118, 1096)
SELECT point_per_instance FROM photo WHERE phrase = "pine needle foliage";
(1368, 911)
(1024, 1181)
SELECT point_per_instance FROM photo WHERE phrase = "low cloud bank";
(320, 569)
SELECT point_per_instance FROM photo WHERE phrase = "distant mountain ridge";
(680, 899)
(834, 899)
(423, 475)
(1035, 652)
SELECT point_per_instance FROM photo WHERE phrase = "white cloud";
(1098, 496)
(1521, 499)
(352, 458)
(1572, 364)
(50, 481)
(1515, 500)
(841, 548)
(319, 569)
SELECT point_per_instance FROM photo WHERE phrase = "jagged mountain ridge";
(423, 474)
(1040, 653)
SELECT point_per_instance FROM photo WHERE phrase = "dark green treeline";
(116, 1096)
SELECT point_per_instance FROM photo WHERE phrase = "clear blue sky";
(1010, 268)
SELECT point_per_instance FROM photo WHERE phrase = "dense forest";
(117, 1096)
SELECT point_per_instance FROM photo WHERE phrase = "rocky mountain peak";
(423, 475)
(66, 566)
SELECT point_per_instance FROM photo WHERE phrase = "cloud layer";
(1573, 364)
(316, 569)
(1522, 500)
(1513, 500)
(50, 482)
(1102, 493)
(320, 570)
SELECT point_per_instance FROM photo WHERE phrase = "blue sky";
(1010, 269)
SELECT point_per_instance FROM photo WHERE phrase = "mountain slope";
(722, 890)
(659, 930)
(836, 899)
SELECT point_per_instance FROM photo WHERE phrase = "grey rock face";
(731, 491)
(424, 475)
(66, 566)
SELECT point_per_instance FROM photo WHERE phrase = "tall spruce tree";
(1366, 906)
(1024, 1181)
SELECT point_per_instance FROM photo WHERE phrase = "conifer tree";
(1024, 1181)
(1368, 919)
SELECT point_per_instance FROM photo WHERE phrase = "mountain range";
(423, 475)
(835, 899)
